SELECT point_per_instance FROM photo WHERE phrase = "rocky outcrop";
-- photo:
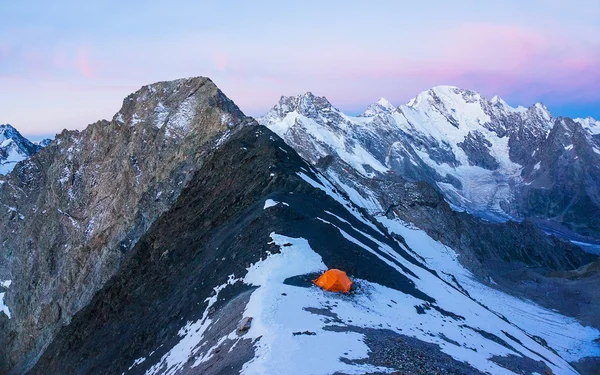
(477, 149)
(73, 211)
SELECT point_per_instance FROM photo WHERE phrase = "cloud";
(83, 64)
(219, 59)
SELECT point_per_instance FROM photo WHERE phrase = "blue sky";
(66, 64)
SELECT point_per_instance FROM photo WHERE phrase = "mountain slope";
(75, 209)
(562, 181)
(14, 148)
(482, 154)
(247, 235)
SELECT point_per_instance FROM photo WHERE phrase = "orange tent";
(334, 281)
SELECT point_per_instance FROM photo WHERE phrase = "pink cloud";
(84, 64)
(219, 58)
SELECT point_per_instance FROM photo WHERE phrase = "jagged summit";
(499, 101)
(176, 105)
(452, 96)
(434, 93)
(107, 184)
(541, 110)
(306, 104)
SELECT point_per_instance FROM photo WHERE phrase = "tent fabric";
(334, 280)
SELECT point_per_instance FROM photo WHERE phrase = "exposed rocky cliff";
(73, 211)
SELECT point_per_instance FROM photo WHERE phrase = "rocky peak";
(499, 102)
(540, 111)
(88, 197)
(176, 105)
(444, 96)
(9, 133)
(306, 104)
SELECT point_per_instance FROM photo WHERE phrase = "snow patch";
(137, 362)
(279, 309)
(192, 335)
(3, 307)
(276, 317)
(271, 203)
(590, 124)
(564, 334)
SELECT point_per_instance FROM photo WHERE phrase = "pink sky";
(62, 68)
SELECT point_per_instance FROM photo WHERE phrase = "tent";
(334, 281)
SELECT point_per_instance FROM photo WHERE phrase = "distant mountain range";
(181, 237)
(486, 157)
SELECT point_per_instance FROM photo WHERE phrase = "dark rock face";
(477, 149)
(82, 203)
(563, 179)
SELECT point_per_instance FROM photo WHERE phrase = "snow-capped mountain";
(592, 126)
(480, 153)
(14, 148)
